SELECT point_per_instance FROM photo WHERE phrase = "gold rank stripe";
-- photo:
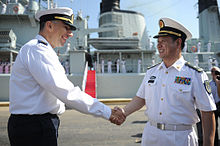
(170, 32)
(66, 19)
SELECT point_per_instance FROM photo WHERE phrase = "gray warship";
(122, 36)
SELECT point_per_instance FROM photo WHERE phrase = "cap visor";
(72, 27)
(160, 35)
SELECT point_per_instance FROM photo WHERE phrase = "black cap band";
(65, 18)
(166, 31)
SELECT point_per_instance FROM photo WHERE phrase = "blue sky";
(184, 11)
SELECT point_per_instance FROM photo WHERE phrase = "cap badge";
(161, 23)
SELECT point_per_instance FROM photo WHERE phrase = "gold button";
(163, 85)
(166, 72)
(161, 99)
(180, 90)
(160, 113)
(149, 84)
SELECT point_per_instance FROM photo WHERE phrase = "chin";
(63, 43)
(161, 56)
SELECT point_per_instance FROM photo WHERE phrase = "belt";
(34, 115)
(170, 127)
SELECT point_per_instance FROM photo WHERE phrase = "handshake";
(118, 116)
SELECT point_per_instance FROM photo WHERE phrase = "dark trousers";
(199, 129)
(217, 114)
(216, 127)
(199, 126)
(33, 130)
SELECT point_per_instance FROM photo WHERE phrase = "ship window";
(110, 18)
(117, 19)
(114, 33)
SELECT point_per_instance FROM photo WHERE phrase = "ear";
(179, 42)
(49, 26)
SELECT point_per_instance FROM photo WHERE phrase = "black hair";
(42, 24)
(174, 37)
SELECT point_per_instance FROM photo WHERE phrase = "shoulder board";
(193, 67)
(152, 66)
(40, 41)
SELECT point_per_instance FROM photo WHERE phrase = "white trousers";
(153, 136)
(109, 69)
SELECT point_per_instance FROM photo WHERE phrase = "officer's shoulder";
(198, 69)
(42, 42)
(150, 67)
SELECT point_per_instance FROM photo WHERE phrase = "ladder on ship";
(91, 83)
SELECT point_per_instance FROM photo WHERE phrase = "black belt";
(34, 115)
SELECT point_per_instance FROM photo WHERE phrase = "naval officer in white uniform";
(39, 87)
(171, 91)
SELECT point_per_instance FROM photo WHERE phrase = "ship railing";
(85, 77)
(130, 68)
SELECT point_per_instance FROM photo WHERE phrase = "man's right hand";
(117, 117)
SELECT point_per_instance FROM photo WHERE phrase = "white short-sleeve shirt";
(173, 94)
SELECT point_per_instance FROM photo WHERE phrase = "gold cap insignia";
(161, 23)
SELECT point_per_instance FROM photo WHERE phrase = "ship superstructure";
(128, 41)
(122, 43)
(209, 23)
(130, 27)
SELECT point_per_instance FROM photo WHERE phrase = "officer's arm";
(208, 126)
(135, 104)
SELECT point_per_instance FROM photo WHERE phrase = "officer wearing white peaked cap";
(171, 91)
(39, 87)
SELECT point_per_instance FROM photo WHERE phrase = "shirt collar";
(177, 65)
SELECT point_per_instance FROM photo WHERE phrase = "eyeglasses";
(215, 72)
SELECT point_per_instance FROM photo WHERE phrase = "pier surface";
(78, 129)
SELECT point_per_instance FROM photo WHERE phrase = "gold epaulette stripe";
(193, 67)
(153, 66)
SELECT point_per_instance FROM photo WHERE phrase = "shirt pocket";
(150, 90)
(180, 94)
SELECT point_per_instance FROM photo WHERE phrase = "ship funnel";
(209, 22)
(205, 4)
(109, 5)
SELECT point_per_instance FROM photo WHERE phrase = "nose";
(70, 34)
(158, 45)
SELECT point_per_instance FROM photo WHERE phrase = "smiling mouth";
(161, 51)
(65, 38)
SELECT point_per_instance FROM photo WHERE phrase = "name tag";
(152, 79)
(182, 80)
